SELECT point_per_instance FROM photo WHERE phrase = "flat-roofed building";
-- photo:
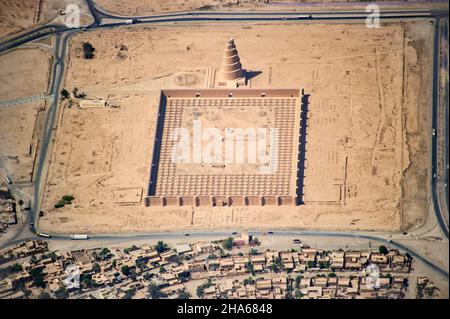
(84, 104)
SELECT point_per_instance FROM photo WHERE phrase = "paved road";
(434, 123)
(29, 36)
(23, 100)
(445, 65)
(44, 31)
(50, 121)
(212, 235)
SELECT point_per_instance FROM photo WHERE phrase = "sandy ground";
(17, 15)
(149, 7)
(20, 127)
(366, 147)
(24, 72)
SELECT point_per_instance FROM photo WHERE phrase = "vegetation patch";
(65, 200)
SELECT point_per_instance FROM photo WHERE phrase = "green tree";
(128, 295)
(16, 267)
(140, 263)
(250, 268)
(38, 277)
(88, 50)
(276, 265)
(65, 94)
(96, 267)
(249, 281)
(44, 295)
(383, 250)
(105, 253)
(253, 252)
(68, 198)
(130, 249)
(39, 281)
(155, 292)
(52, 255)
(298, 279)
(162, 270)
(160, 247)
(298, 294)
(61, 293)
(87, 281)
(147, 276)
(311, 264)
(20, 202)
(201, 289)
(183, 294)
(59, 204)
(227, 243)
(126, 270)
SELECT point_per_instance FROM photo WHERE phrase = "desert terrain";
(149, 7)
(25, 72)
(17, 16)
(367, 140)
(23, 82)
(19, 134)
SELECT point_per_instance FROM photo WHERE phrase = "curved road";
(434, 123)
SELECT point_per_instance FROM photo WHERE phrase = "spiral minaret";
(231, 65)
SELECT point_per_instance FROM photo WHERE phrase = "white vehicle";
(8, 179)
(304, 16)
(434, 132)
(79, 237)
(40, 234)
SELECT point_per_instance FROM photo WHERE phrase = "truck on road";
(41, 234)
(79, 237)
(8, 179)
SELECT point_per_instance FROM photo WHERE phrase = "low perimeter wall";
(220, 201)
